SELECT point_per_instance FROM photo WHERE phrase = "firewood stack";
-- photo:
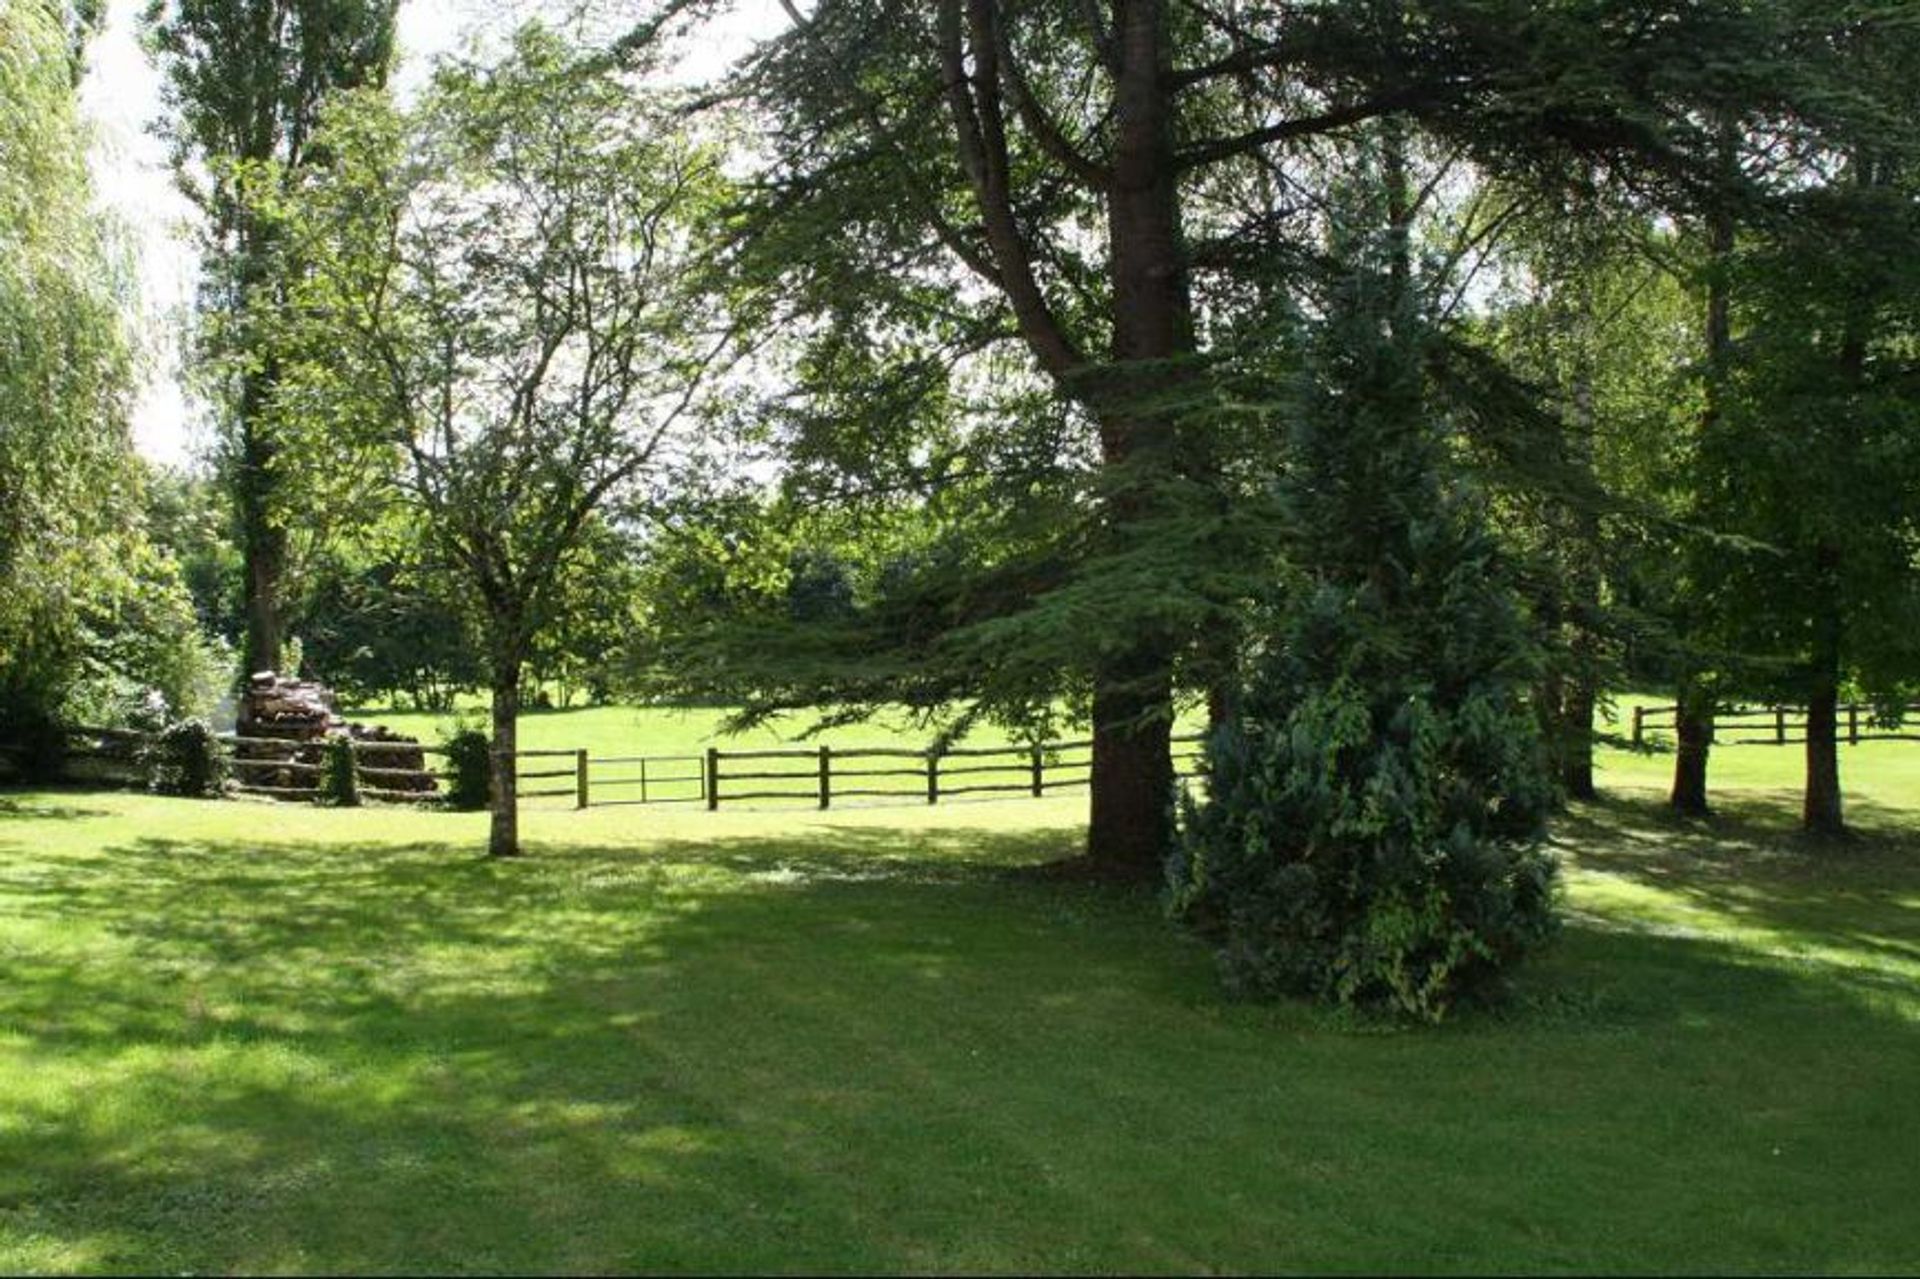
(284, 725)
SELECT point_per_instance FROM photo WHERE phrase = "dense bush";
(469, 769)
(1371, 830)
(339, 777)
(184, 759)
(1368, 842)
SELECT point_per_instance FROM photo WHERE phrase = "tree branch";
(1209, 152)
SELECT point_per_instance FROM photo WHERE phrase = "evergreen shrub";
(469, 770)
(184, 759)
(339, 775)
(1371, 830)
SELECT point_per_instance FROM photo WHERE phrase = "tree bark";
(1130, 827)
(263, 540)
(1130, 830)
(503, 837)
(1576, 769)
(1693, 726)
(1693, 723)
(1820, 811)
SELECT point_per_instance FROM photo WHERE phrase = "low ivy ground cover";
(242, 1037)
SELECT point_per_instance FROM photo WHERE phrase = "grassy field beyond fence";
(252, 1037)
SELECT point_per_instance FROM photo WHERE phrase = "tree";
(246, 80)
(67, 477)
(1817, 456)
(1109, 186)
(497, 278)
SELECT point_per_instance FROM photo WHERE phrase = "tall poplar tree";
(245, 80)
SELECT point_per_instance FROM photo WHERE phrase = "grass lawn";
(235, 1036)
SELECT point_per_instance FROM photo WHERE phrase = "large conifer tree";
(1111, 186)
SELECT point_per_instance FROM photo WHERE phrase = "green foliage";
(339, 774)
(184, 759)
(1373, 809)
(384, 627)
(190, 516)
(94, 619)
(246, 81)
(469, 774)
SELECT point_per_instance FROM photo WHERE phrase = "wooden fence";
(660, 779)
(290, 769)
(822, 774)
(1777, 725)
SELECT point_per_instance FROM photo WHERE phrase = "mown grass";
(243, 1037)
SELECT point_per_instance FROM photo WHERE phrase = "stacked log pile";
(281, 736)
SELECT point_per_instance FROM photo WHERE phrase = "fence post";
(580, 779)
(1779, 726)
(1039, 773)
(933, 777)
(1853, 723)
(713, 778)
(826, 776)
(1639, 723)
(643, 779)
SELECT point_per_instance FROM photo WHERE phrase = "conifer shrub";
(1368, 838)
(339, 775)
(1371, 829)
(184, 759)
(469, 770)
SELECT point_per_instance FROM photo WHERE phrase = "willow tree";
(495, 297)
(245, 81)
(65, 370)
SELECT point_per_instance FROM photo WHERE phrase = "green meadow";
(245, 1037)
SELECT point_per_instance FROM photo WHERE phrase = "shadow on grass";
(1745, 864)
(857, 1049)
(34, 810)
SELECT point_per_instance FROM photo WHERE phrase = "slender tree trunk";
(1576, 770)
(1130, 828)
(1583, 642)
(503, 838)
(263, 540)
(1693, 726)
(1820, 811)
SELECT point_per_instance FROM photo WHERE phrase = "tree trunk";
(1820, 811)
(1693, 726)
(1131, 824)
(1130, 831)
(1576, 768)
(1583, 640)
(263, 540)
(503, 838)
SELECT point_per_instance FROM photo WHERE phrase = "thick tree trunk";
(1693, 726)
(1820, 811)
(1131, 823)
(503, 839)
(1129, 830)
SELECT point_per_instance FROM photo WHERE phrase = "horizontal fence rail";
(822, 774)
(1782, 725)
(292, 768)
